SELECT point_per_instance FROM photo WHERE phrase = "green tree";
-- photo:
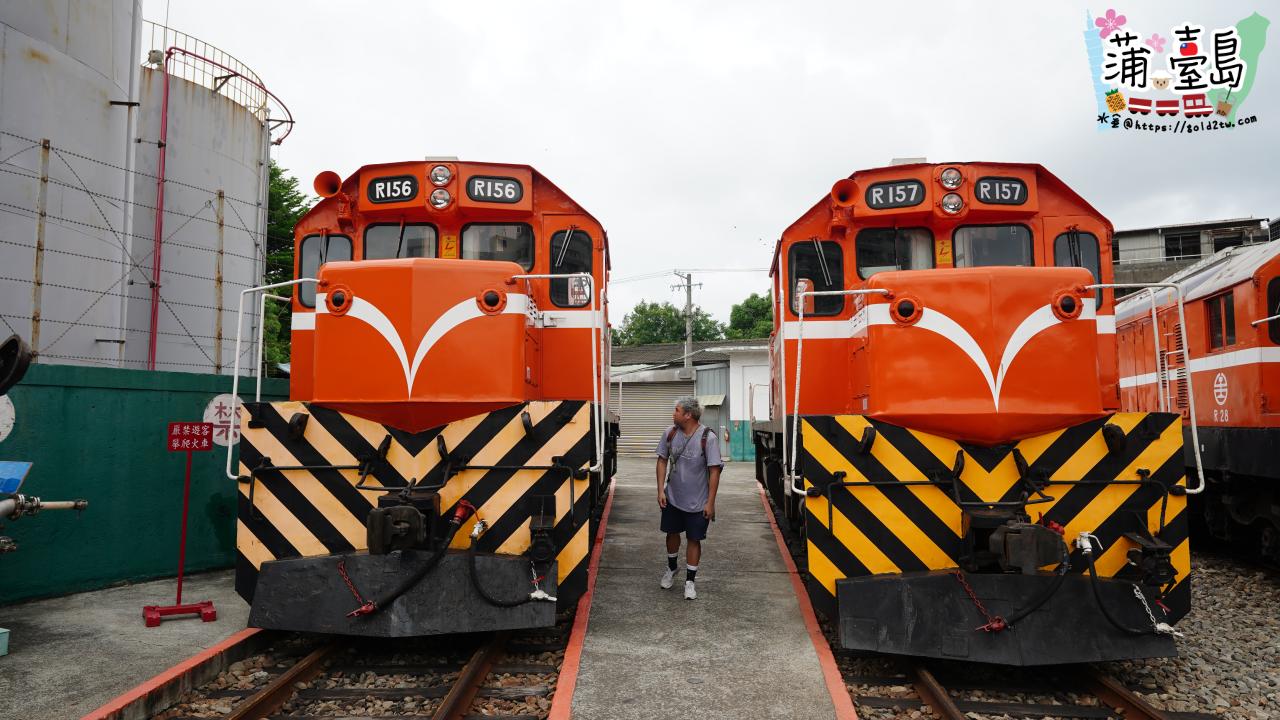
(286, 204)
(652, 322)
(751, 318)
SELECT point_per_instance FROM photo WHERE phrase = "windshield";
(395, 241)
(511, 241)
(315, 252)
(880, 249)
(987, 245)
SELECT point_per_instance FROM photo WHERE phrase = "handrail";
(1256, 323)
(597, 354)
(795, 429)
(1186, 363)
(235, 373)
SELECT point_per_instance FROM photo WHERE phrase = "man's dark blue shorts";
(692, 524)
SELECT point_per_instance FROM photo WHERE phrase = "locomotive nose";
(982, 355)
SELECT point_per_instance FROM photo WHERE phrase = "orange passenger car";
(948, 441)
(1229, 376)
(444, 455)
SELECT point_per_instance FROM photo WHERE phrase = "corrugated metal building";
(646, 380)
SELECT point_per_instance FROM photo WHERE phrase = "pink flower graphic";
(1155, 41)
(1110, 23)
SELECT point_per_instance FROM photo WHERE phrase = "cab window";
(570, 253)
(393, 240)
(316, 250)
(988, 245)
(822, 265)
(880, 249)
(1221, 312)
(1273, 308)
(1078, 249)
(507, 241)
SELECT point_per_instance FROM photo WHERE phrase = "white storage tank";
(65, 73)
(215, 164)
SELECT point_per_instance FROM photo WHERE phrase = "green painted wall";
(98, 434)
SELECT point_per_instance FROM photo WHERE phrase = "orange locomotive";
(1232, 309)
(444, 455)
(947, 437)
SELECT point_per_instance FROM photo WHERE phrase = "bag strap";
(705, 430)
(671, 434)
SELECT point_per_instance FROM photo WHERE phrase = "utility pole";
(686, 373)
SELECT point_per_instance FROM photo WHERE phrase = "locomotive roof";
(1043, 176)
(1225, 268)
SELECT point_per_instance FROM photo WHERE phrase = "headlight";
(951, 203)
(951, 178)
(440, 199)
(441, 175)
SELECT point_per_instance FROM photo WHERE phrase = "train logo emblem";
(1220, 389)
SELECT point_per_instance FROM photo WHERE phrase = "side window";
(822, 265)
(988, 245)
(382, 242)
(1273, 308)
(508, 241)
(1220, 311)
(1079, 249)
(879, 249)
(313, 253)
(570, 253)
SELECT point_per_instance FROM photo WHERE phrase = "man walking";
(688, 475)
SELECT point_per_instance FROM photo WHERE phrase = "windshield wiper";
(822, 260)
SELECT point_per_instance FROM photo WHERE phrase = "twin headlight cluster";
(951, 179)
(440, 176)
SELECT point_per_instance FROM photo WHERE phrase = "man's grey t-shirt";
(688, 481)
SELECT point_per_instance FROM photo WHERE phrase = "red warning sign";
(190, 437)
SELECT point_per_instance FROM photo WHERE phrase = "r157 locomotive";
(443, 458)
(947, 436)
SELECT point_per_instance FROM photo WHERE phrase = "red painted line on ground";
(562, 703)
(830, 672)
(118, 704)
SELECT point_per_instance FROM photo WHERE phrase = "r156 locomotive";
(443, 458)
(947, 436)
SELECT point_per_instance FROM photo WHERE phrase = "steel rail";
(1125, 701)
(458, 701)
(933, 694)
(277, 692)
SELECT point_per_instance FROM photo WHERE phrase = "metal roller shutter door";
(645, 412)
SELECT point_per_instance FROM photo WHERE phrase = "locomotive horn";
(327, 183)
(844, 193)
(15, 356)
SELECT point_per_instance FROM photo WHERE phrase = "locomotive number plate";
(494, 189)
(1000, 191)
(398, 188)
(897, 194)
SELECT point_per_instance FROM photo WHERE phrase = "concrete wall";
(747, 368)
(98, 434)
(61, 65)
(714, 380)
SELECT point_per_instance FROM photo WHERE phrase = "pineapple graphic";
(1115, 101)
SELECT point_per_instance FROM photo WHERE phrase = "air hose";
(1047, 593)
(463, 511)
(537, 593)
(1085, 542)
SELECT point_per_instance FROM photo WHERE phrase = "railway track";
(958, 692)
(508, 676)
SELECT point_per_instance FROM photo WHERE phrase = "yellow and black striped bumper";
(875, 524)
(497, 461)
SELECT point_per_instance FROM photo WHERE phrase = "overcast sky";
(696, 132)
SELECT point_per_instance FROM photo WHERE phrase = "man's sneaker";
(668, 578)
(689, 592)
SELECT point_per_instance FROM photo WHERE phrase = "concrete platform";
(740, 650)
(70, 655)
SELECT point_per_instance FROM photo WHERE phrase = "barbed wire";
(134, 171)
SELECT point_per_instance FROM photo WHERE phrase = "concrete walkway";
(69, 655)
(740, 650)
